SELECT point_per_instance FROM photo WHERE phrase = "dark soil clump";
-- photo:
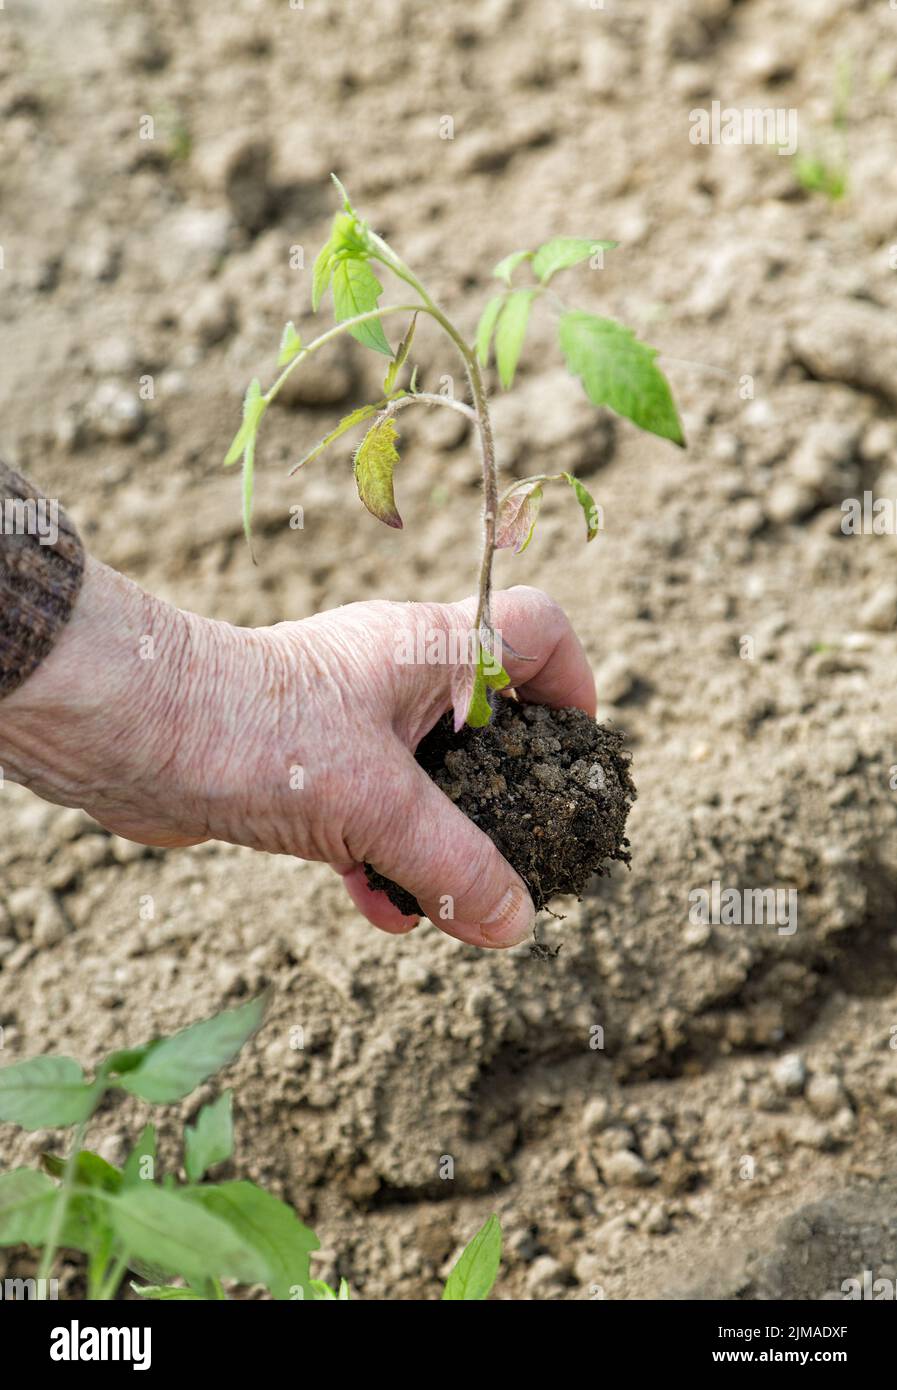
(550, 787)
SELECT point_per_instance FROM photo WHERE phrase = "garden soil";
(671, 1107)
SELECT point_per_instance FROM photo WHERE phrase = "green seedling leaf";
(517, 517)
(177, 1065)
(211, 1140)
(325, 1294)
(400, 358)
(618, 371)
(128, 1058)
(477, 1269)
(375, 459)
(587, 502)
(322, 274)
(356, 290)
(254, 405)
(45, 1092)
(166, 1292)
(488, 675)
(347, 423)
(347, 206)
(510, 333)
(27, 1198)
(141, 1159)
(290, 345)
(506, 267)
(175, 1233)
(268, 1226)
(564, 251)
(90, 1170)
(486, 328)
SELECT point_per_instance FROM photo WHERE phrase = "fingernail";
(513, 919)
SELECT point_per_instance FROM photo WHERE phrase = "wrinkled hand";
(171, 729)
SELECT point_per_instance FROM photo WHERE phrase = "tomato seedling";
(616, 370)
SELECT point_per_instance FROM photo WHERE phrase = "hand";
(171, 729)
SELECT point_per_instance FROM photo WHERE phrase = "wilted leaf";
(375, 459)
(475, 1273)
(618, 371)
(564, 251)
(587, 502)
(510, 333)
(517, 517)
(489, 675)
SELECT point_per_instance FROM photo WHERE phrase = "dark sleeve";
(41, 569)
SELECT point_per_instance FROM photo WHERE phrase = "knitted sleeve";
(41, 569)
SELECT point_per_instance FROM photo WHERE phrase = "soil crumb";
(550, 787)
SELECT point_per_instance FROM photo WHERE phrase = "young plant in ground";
(163, 1230)
(616, 370)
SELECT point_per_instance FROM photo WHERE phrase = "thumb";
(435, 851)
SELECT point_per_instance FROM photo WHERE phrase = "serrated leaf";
(564, 251)
(169, 1230)
(211, 1139)
(486, 327)
(510, 333)
(517, 517)
(475, 1273)
(375, 459)
(400, 358)
(27, 1198)
(177, 1065)
(143, 1149)
(45, 1092)
(268, 1226)
(506, 267)
(165, 1292)
(290, 344)
(618, 371)
(587, 502)
(356, 290)
(348, 422)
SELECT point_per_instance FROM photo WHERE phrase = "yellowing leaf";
(375, 460)
(517, 517)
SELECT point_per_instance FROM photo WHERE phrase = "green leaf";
(325, 1294)
(177, 1065)
(347, 206)
(90, 1170)
(254, 406)
(175, 1233)
(400, 358)
(322, 274)
(517, 516)
(143, 1149)
(587, 502)
(476, 1270)
(237, 446)
(564, 251)
(486, 327)
(375, 459)
(127, 1058)
(510, 333)
(211, 1140)
(268, 1226)
(347, 423)
(489, 676)
(27, 1198)
(290, 345)
(165, 1292)
(45, 1092)
(506, 267)
(618, 371)
(356, 290)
